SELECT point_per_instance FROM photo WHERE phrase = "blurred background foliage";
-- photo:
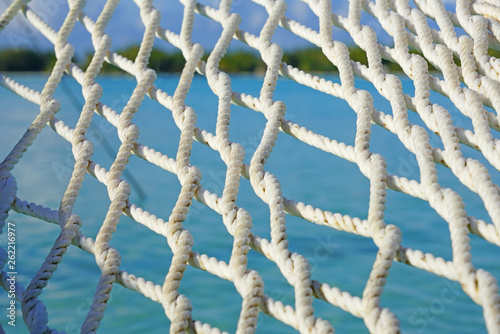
(239, 61)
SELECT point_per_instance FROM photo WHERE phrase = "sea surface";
(423, 302)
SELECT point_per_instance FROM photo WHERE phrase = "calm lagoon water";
(306, 174)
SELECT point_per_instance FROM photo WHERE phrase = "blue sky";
(126, 27)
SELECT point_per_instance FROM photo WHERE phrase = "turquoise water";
(424, 303)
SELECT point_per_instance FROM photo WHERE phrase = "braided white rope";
(470, 87)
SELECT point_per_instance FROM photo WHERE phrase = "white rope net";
(471, 84)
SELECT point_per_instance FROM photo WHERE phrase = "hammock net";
(458, 46)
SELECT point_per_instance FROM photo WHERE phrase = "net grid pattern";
(471, 87)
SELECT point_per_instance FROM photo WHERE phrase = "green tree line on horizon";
(239, 61)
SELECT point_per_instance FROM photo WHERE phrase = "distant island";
(239, 61)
